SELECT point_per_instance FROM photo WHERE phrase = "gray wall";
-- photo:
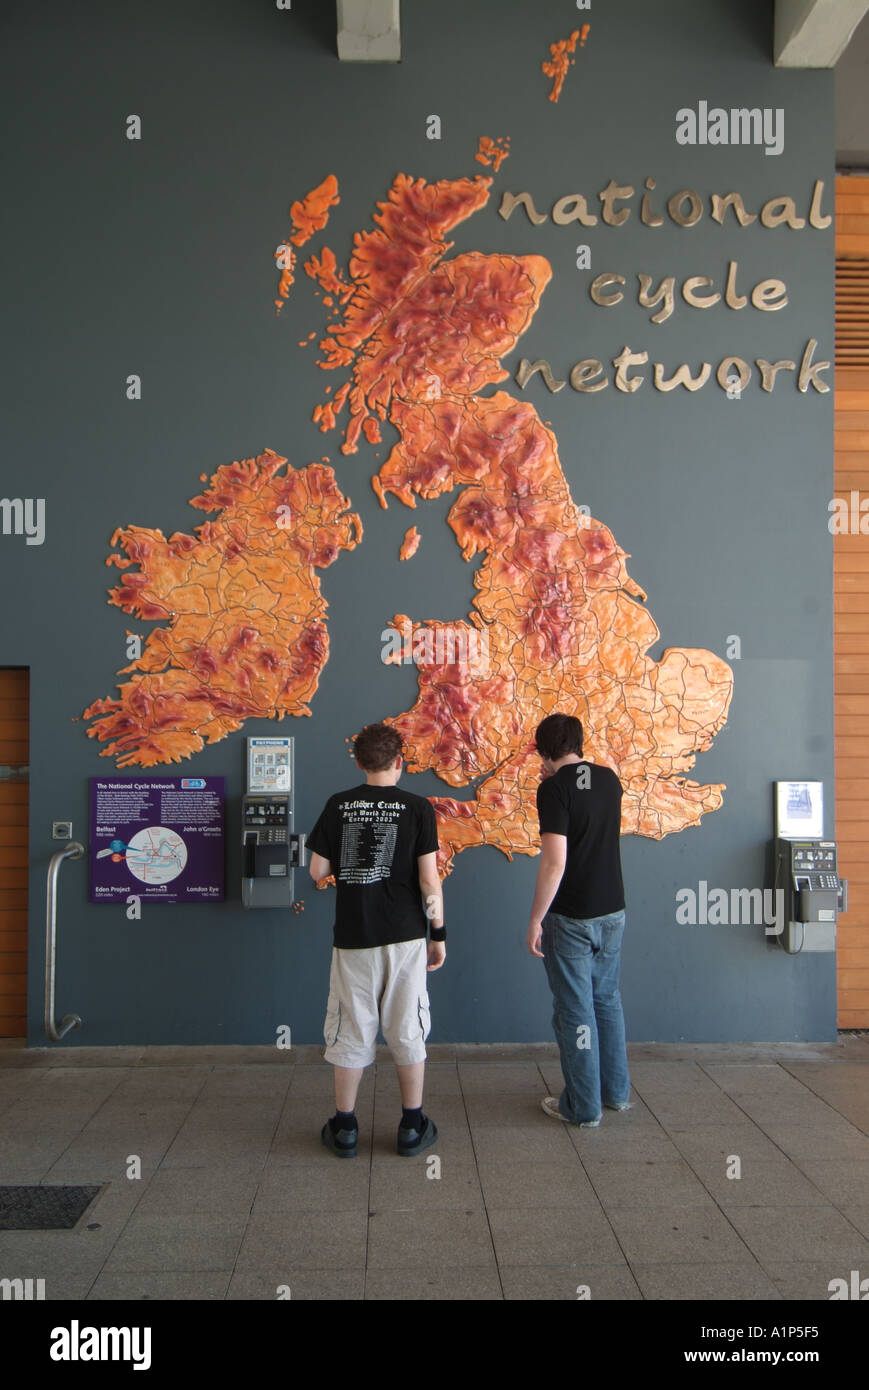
(156, 258)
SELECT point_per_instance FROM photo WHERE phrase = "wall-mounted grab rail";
(73, 851)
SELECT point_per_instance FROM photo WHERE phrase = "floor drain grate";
(43, 1208)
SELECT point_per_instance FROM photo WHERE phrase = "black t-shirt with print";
(583, 801)
(372, 837)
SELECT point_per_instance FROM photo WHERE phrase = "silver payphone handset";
(272, 850)
(806, 870)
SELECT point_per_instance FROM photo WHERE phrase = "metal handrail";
(73, 851)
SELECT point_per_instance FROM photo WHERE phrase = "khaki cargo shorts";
(378, 987)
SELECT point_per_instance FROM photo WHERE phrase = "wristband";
(437, 933)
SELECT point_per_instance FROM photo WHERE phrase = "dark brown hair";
(558, 735)
(377, 747)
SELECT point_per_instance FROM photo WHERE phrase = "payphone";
(272, 850)
(806, 870)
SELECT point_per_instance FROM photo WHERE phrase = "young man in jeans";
(381, 845)
(578, 917)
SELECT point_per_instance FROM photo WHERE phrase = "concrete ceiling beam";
(369, 31)
(814, 33)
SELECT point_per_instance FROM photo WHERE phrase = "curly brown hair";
(377, 747)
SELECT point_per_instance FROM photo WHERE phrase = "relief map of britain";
(557, 624)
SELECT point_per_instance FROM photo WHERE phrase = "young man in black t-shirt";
(578, 916)
(381, 845)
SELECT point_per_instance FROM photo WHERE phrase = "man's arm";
(319, 867)
(553, 857)
(430, 887)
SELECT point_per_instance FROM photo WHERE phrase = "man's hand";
(437, 954)
(534, 937)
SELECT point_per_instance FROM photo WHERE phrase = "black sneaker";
(413, 1141)
(343, 1144)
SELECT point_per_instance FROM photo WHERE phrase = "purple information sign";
(160, 838)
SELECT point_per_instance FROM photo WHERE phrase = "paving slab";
(450, 1284)
(281, 1241)
(516, 1185)
(188, 1243)
(198, 1285)
(806, 1279)
(709, 1282)
(788, 1233)
(329, 1284)
(405, 1240)
(678, 1235)
(661, 1182)
(331, 1184)
(548, 1235)
(571, 1283)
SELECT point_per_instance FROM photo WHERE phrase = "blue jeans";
(582, 959)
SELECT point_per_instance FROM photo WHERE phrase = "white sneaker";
(550, 1105)
(628, 1105)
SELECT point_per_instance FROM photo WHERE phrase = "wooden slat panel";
(853, 474)
(14, 741)
(847, 622)
(12, 727)
(845, 440)
(13, 681)
(852, 958)
(852, 704)
(854, 979)
(852, 1018)
(850, 222)
(853, 380)
(848, 542)
(858, 999)
(846, 935)
(851, 595)
(854, 852)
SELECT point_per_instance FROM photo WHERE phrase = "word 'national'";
(685, 208)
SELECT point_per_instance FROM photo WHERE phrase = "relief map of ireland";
(556, 624)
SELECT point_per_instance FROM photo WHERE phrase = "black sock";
(412, 1119)
(343, 1119)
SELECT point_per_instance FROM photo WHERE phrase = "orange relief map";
(246, 634)
(557, 623)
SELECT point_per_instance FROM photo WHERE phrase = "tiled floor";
(741, 1173)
